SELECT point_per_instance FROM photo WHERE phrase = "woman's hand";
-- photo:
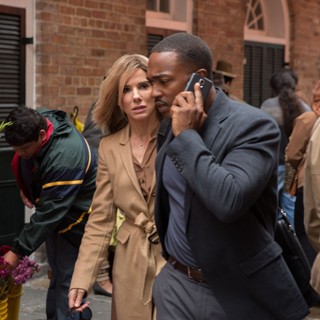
(75, 300)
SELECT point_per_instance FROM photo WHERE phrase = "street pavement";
(33, 300)
(32, 305)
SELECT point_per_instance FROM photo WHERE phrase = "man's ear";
(42, 135)
(202, 72)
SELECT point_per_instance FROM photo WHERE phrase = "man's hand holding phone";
(187, 109)
(205, 84)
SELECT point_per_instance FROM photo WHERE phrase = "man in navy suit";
(216, 204)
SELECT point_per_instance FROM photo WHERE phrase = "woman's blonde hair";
(107, 113)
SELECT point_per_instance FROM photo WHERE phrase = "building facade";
(55, 53)
(70, 44)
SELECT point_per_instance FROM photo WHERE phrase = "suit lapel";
(164, 137)
(217, 114)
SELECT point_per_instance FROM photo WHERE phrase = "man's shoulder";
(65, 142)
(248, 112)
(252, 120)
(239, 113)
(52, 113)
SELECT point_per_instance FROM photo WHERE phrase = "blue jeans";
(62, 256)
(286, 200)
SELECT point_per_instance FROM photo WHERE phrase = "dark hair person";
(284, 107)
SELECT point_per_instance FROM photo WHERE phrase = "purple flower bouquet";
(10, 276)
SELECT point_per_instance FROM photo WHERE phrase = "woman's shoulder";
(307, 116)
(120, 137)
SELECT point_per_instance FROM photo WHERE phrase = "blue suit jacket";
(230, 167)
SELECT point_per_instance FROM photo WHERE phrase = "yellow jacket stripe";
(76, 222)
(61, 183)
(66, 183)
(89, 155)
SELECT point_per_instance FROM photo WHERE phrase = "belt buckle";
(189, 273)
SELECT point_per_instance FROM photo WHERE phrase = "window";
(266, 46)
(255, 15)
(158, 5)
(164, 17)
(174, 15)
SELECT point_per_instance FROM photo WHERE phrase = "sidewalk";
(34, 297)
(32, 305)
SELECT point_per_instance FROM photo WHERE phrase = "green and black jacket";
(60, 181)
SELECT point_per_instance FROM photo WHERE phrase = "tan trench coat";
(136, 261)
(298, 142)
(312, 200)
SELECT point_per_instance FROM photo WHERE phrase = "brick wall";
(305, 41)
(76, 40)
(221, 24)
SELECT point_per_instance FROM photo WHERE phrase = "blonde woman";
(125, 181)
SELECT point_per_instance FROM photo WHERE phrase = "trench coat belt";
(147, 225)
(148, 265)
(192, 273)
(144, 222)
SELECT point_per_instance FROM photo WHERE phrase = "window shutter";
(262, 60)
(12, 94)
(12, 61)
(155, 35)
(153, 39)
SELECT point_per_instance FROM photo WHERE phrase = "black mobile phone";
(205, 84)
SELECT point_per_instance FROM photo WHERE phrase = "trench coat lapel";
(126, 157)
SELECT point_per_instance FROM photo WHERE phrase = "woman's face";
(137, 102)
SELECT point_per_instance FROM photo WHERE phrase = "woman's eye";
(126, 89)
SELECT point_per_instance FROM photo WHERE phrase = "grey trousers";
(180, 298)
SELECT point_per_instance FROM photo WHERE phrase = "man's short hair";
(192, 51)
(26, 126)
